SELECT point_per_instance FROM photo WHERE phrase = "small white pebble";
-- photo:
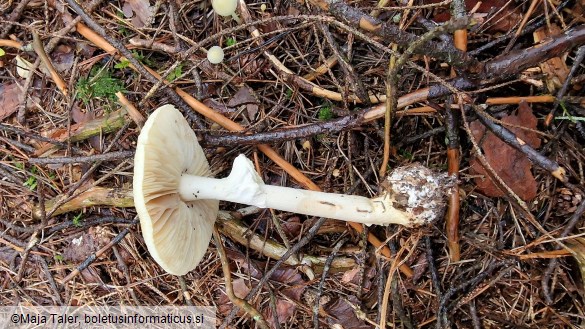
(215, 55)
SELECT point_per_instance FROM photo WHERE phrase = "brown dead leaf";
(420, 267)
(62, 58)
(139, 10)
(218, 106)
(555, 69)
(9, 99)
(294, 285)
(88, 243)
(292, 227)
(288, 275)
(500, 20)
(85, 49)
(284, 312)
(349, 276)
(80, 117)
(248, 266)
(511, 165)
(343, 314)
(240, 289)
(353, 276)
(244, 96)
(92, 275)
(293, 288)
(271, 26)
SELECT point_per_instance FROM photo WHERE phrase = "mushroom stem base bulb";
(415, 201)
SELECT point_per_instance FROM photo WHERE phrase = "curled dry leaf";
(292, 227)
(293, 288)
(290, 288)
(341, 312)
(284, 311)
(555, 69)
(240, 289)
(139, 10)
(499, 15)
(420, 267)
(23, 67)
(82, 116)
(244, 96)
(9, 99)
(511, 165)
(62, 58)
(353, 276)
(88, 243)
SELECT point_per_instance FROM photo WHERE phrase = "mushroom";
(176, 231)
(215, 55)
(226, 8)
(177, 200)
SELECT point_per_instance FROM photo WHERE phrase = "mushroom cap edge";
(176, 233)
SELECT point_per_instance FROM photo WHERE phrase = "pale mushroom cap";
(177, 233)
(224, 7)
(215, 55)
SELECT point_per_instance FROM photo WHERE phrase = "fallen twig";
(40, 50)
(227, 224)
(443, 311)
(110, 156)
(502, 67)
(453, 161)
(227, 274)
(391, 33)
(326, 267)
(507, 136)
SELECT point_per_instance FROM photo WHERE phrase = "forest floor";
(321, 95)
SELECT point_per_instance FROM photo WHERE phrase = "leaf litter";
(253, 93)
(510, 164)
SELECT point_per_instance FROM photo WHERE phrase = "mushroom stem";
(245, 186)
(236, 18)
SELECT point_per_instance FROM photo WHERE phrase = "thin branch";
(89, 260)
(509, 138)
(326, 267)
(239, 302)
(453, 161)
(110, 156)
(392, 33)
